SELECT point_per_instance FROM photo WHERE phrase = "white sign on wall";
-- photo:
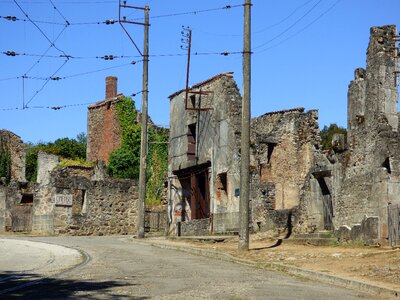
(65, 200)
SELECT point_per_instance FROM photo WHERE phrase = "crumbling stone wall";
(371, 166)
(16, 148)
(98, 207)
(284, 146)
(82, 201)
(104, 131)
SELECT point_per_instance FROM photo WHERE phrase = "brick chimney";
(111, 87)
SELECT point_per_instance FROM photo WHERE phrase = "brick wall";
(104, 132)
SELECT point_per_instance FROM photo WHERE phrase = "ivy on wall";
(125, 161)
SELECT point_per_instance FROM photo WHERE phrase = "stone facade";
(16, 148)
(204, 154)
(284, 147)
(104, 131)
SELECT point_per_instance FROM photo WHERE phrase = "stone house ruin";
(364, 177)
(204, 160)
(204, 157)
(285, 146)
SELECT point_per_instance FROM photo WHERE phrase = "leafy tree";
(5, 162)
(65, 147)
(328, 132)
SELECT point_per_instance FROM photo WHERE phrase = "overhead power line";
(195, 12)
(290, 27)
(40, 30)
(302, 29)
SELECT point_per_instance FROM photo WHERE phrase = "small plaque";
(65, 200)
(237, 192)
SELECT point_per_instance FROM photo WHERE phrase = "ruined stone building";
(365, 178)
(352, 190)
(204, 156)
(285, 146)
(104, 131)
(204, 160)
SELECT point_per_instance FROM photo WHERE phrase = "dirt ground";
(379, 266)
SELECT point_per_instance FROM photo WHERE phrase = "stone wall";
(16, 148)
(79, 200)
(284, 147)
(371, 166)
(104, 132)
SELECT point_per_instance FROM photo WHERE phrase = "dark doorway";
(327, 204)
(195, 181)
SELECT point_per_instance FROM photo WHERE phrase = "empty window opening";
(27, 199)
(191, 136)
(193, 100)
(386, 164)
(222, 188)
(84, 202)
(271, 147)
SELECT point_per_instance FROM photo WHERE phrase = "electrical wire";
(302, 29)
(40, 30)
(290, 27)
(59, 12)
(47, 81)
(46, 51)
(282, 20)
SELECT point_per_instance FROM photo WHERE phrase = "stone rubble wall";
(284, 146)
(17, 150)
(371, 165)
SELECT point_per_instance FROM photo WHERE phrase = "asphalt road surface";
(121, 268)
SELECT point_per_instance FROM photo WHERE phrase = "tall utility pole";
(245, 136)
(145, 93)
(143, 139)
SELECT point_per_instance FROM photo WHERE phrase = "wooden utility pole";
(143, 140)
(245, 136)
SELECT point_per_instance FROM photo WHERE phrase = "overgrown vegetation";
(327, 134)
(5, 161)
(74, 149)
(125, 161)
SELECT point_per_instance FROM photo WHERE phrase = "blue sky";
(305, 53)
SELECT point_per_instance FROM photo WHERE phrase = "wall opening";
(27, 199)
(191, 137)
(326, 204)
(222, 188)
(386, 165)
(270, 150)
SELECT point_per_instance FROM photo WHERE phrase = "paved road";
(120, 268)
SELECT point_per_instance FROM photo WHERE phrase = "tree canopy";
(327, 135)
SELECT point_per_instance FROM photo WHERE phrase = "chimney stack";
(111, 87)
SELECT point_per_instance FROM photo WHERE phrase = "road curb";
(292, 270)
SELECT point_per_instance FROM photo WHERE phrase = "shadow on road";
(15, 285)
